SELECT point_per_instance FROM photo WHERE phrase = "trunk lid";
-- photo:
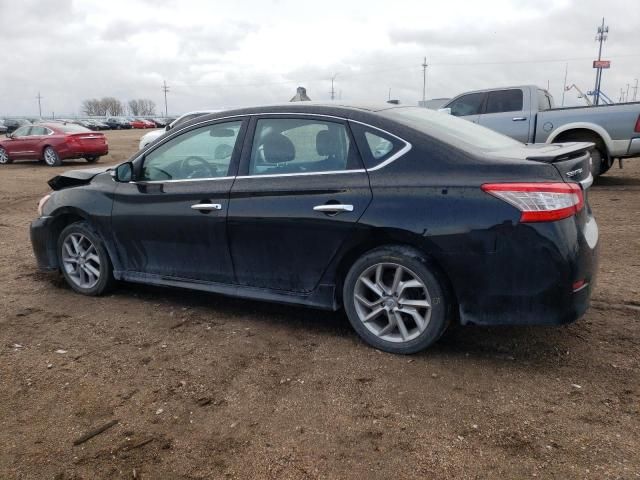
(89, 139)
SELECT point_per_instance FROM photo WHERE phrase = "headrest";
(277, 148)
(326, 143)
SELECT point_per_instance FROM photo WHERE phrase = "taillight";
(540, 202)
(637, 129)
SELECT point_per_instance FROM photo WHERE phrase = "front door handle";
(519, 119)
(333, 208)
(207, 206)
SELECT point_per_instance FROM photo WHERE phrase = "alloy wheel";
(50, 156)
(392, 302)
(80, 260)
(4, 157)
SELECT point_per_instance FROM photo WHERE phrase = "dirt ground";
(204, 386)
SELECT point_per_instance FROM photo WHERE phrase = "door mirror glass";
(123, 173)
(445, 110)
(167, 128)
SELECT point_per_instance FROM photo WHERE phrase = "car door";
(19, 144)
(170, 222)
(37, 137)
(505, 112)
(301, 191)
(467, 106)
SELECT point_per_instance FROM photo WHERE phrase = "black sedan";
(407, 218)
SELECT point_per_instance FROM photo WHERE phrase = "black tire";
(413, 263)
(600, 161)
(51, 157)
(92, 159)
(4, 157)
(105, 280)
(597, 163)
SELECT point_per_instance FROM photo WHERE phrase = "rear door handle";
(207, 206)
(333, 208)
(519, 119)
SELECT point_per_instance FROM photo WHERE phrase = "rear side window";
(504, 101)
(36, 131)
(375, 146)
(544, 102)
(469, 104)
(292, 145)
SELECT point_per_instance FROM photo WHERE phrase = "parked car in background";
(3, 127)
(96, 124)
(147, 123)
(160, 122)
(136, 123)
(527, 113)
(118, 123)
(430, 220)
(13, 124)
(148, 138)
(52, 143)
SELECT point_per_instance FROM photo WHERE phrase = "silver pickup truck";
(527, 113)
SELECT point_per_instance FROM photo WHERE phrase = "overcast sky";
(216, 54)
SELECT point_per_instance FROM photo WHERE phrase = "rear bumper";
(634, 147)
(531, 277)
(98, 151)
(44, 243)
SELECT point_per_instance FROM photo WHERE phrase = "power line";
(165, 89)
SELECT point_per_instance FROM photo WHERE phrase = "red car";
(52, 143)
(136, 123)
(147, 123)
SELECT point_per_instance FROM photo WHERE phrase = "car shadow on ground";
(543, 346)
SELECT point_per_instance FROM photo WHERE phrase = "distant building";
(301, 95)
(434, 103)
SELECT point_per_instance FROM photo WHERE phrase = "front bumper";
(43, 242)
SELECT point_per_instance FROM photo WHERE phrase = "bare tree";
(111, 106)
(134, 107)
(91, 106)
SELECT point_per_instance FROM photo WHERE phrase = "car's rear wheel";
(395, 300)
(92, 159)
(51, 157)
(4, 157)
(83, 260)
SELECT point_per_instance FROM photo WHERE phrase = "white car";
(149, 137)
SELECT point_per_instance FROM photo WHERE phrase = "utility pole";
(626, 97)
(600, 37)
(39, 97)
(165, 89)
(333, 92)
(389, 94)
(564, 88)
(635, 90)
(424, 81)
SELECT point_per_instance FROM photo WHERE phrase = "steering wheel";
(197, 167)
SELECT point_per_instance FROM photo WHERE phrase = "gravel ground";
(204, 386)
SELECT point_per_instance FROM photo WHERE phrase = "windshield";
(450, 129)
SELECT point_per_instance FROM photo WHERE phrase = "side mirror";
(123, 173)
(167, 128)
(9, 135)
(445, 110)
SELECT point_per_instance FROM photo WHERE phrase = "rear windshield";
(450, 129)
(72, 128)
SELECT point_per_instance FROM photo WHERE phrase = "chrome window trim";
(407, 147)
(181, 180)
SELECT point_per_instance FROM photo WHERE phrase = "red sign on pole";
(601, 63)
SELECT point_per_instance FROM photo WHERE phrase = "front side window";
(21, 132)
(301, 146)
(469, 104)
(504, 101)
(204, 152)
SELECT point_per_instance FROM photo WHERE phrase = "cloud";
(239, 53)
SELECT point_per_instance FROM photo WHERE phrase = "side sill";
(323, 297)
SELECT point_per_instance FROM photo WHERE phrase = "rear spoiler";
(562, 151)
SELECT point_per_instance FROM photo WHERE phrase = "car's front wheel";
(92, 159)
(395, 300)
(4, 157)
(51, 157)
(83, 260)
